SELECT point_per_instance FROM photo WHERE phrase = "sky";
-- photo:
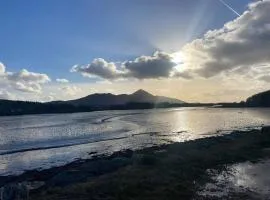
(194, 50)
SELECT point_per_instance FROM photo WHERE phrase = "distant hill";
(138, 100)
(259, 100)
(9, 107)
(108, 99)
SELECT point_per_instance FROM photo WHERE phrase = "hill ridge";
(109, 99)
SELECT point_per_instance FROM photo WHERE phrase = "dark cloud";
(159, 65)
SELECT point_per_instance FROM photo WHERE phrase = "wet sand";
(174, 171)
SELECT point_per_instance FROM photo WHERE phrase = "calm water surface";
(41, 141)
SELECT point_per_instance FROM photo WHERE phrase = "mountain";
(108, 99)
(138, 100)
(260, 99)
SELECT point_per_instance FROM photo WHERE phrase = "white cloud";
(26, 76)
(70, 90)
(2, 68)
(6, 95)
(98, 67)
(27, 87)
(242, 45)
(62, 80)
(23, 81)
(26, 81)
(159, 65)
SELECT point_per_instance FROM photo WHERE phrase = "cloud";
(183, 74)
(26, 76)
(240, 48)
(265, 78)
(62, 80)
(6, 95)
(2, 68)
(32, 86)
(70, 90)
(243, 42)
(159, 65)
(100, 68)
(230, 57)
(27, 87)
(23, 80)
(27, 81)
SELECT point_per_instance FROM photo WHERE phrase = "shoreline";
(175, 169)
(205, 105)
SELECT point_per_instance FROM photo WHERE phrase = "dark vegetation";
(8, 107)
(261, 99)
(174, 171)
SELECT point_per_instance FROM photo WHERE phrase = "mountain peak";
(141, 92)
(107, 99)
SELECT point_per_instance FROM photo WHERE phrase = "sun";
(177, 57)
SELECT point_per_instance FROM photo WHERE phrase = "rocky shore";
(174, 171)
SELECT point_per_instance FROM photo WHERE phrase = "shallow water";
(249, 180)
(41, 141)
